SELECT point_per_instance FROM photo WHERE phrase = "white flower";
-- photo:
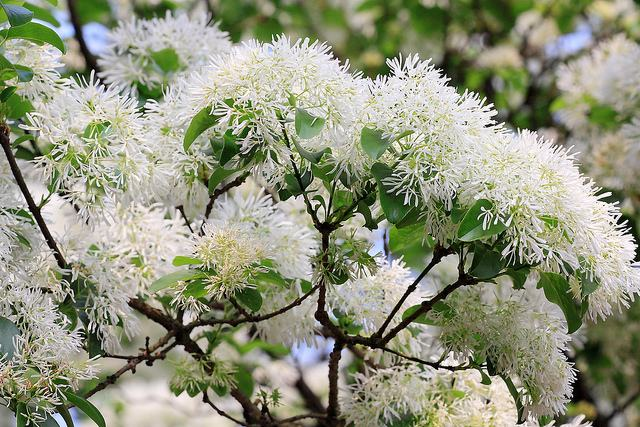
(518, 334)
(144, 56)
(95, 136)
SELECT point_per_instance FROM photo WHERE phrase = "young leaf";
(180, 260)
(218, 176)
(21, 418)
(313, 157)
(166, 59)
(172, 278)
(307, 125)
(34, 32)
(556, 290)
(17, 15)
(87, 407)
(471, 227)
(8, 330)
(250, 298)
(392, 204)
(200, 122)
(420, 319)
(373, 142)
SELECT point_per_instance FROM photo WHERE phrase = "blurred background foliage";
(509, 51)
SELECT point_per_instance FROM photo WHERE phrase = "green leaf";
(244, 380)
(313, 157)
(34, 32)
(516, 398)
(411, 243)
(42, 14)
(556, 290)
(200, 122)
(21, 419)
(25, 74)
(66, 416)
(87, 407)
(392, 204)
(471, 227)
(218, 176)
(8, 330)
(307, 125)
(180, 260)
(603, 115)
(518, 276)
(172, 278)
(587, 284)
(423, 319)
(166, 59)
(487, 263)
(373, 142)
(250, 298)
(17, 15)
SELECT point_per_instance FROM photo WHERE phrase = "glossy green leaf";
(180, 260)
(556, 290)
(200, 122)
(219, 175)
(172, 278)
(250, 298)
(8, 330)
(34, 32)
(313, 157)
(487, 263)
(307, 125)
(471, 227)
(21, 419)
(392, 204)
(66, 416)
(16, 14)
(166, 59)
(42, 14)
(373, 142)
(87, 407)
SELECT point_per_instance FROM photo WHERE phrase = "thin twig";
(205, 399)
(33, 208)
(147, 356)
(438, 253)
(184, 216)
(219, 192)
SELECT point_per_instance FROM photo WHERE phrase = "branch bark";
(89, 58)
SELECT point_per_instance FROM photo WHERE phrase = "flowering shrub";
(231, 193)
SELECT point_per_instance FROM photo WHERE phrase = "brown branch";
(427, 305)
(219, 192)
(438, 253)
(33, 208)
(205, 399)
(333, 408)
(147, 356)
(184, 216)
(89, 58)
(311, 400)
(252, 318)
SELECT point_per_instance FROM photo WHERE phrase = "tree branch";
(147, 356)
(333, 408)
(219, 192)
(89, 58)
(438, 253)
(33, 208)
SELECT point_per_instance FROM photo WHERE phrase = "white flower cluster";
(95, 151)
(517, 338)
(257, 86)
(47, 347)
(599, 105)
(245, 231)
(455, 156)
(426, 397)
(146, 56)
(118, 260)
